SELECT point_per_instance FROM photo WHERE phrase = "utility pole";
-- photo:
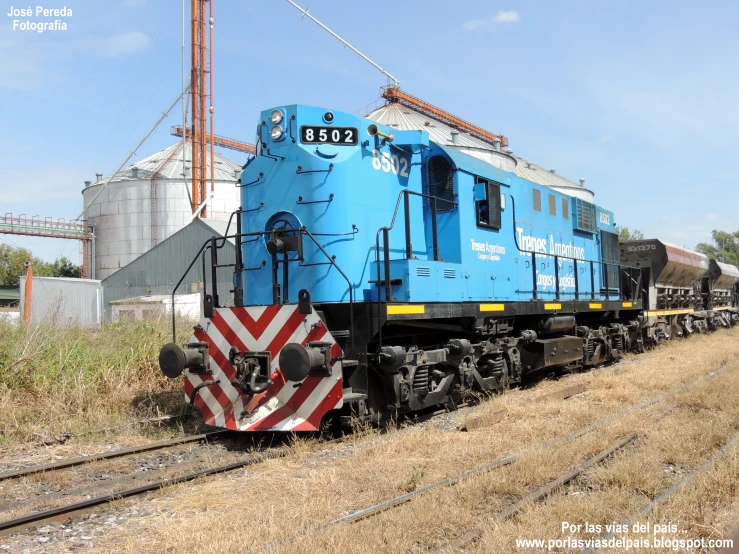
(29, 290)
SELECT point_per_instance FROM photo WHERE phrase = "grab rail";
(405, 194)
(211, 244)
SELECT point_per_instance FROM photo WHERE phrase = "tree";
(62, 267)
(13, 266)
(624, 234)
(725, 247)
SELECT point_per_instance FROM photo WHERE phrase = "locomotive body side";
(380, 273)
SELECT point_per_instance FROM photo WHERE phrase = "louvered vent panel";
(450, 273)
(423, 271)
(585, 215)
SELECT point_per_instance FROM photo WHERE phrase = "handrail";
(332, 261)
(409, 251)
(214, 247)
(557, 257)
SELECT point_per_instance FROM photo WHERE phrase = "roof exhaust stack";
(135, 172)
(553, 170)
(99, 177)
(582, 182)
(455, 137)
(88, 183)
(496, 144)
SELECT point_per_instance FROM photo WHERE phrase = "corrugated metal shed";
(404, 118)
(64, 302)
(158, 270)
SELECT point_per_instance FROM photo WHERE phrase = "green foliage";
(415, 479)
(13, 266)
(624, 234)
(62, 267)
(725, 247)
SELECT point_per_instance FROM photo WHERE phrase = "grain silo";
(148, 201)
(403, 117)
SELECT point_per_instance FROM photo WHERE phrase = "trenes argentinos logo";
(33, 16)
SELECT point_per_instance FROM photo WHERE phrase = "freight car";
(684, 291)
(380, 273)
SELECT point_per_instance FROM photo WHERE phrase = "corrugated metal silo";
(405, 118)
(148, 202)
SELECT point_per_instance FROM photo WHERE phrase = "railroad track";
(64, 512)
(71, 462)
(126, 485)
(95, 494)
(473, 534)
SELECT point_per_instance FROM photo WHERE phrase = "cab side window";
(487, 203)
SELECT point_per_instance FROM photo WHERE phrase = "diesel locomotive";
(379, 273)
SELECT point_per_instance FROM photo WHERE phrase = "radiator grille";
(585, 215)
(439, 182)
(611, 253)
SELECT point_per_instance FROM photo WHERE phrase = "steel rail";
(19, 523)
(402, 499)
(71, 462)
(677, 487)
(473, 534)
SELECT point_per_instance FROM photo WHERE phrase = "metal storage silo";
(405, 118)
(149, 201)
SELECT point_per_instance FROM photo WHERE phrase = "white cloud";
(475, 24)
(510, 16)
(125, 44)
(712, 217)
(606, 138)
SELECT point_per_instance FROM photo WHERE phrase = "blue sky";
(639, 98)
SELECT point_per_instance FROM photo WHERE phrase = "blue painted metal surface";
(344, 194)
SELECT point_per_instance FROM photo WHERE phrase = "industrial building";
(147, 202)
(157, 271)
(64, 301)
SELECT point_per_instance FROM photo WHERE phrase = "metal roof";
(405, 118)
(158, 270)
(542, 176)
(220, 226)
(167, 164)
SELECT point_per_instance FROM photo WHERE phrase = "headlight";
(276, 132)
(276, 117)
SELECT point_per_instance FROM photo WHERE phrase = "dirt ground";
(681, 400)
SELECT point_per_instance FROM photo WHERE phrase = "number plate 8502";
(310, 134)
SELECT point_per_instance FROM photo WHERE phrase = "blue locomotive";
(380, 273)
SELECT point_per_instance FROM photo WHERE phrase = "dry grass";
(286, 497)
(60, 382)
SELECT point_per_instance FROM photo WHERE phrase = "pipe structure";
(212, 101)
(345, 43)
(29, 291)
